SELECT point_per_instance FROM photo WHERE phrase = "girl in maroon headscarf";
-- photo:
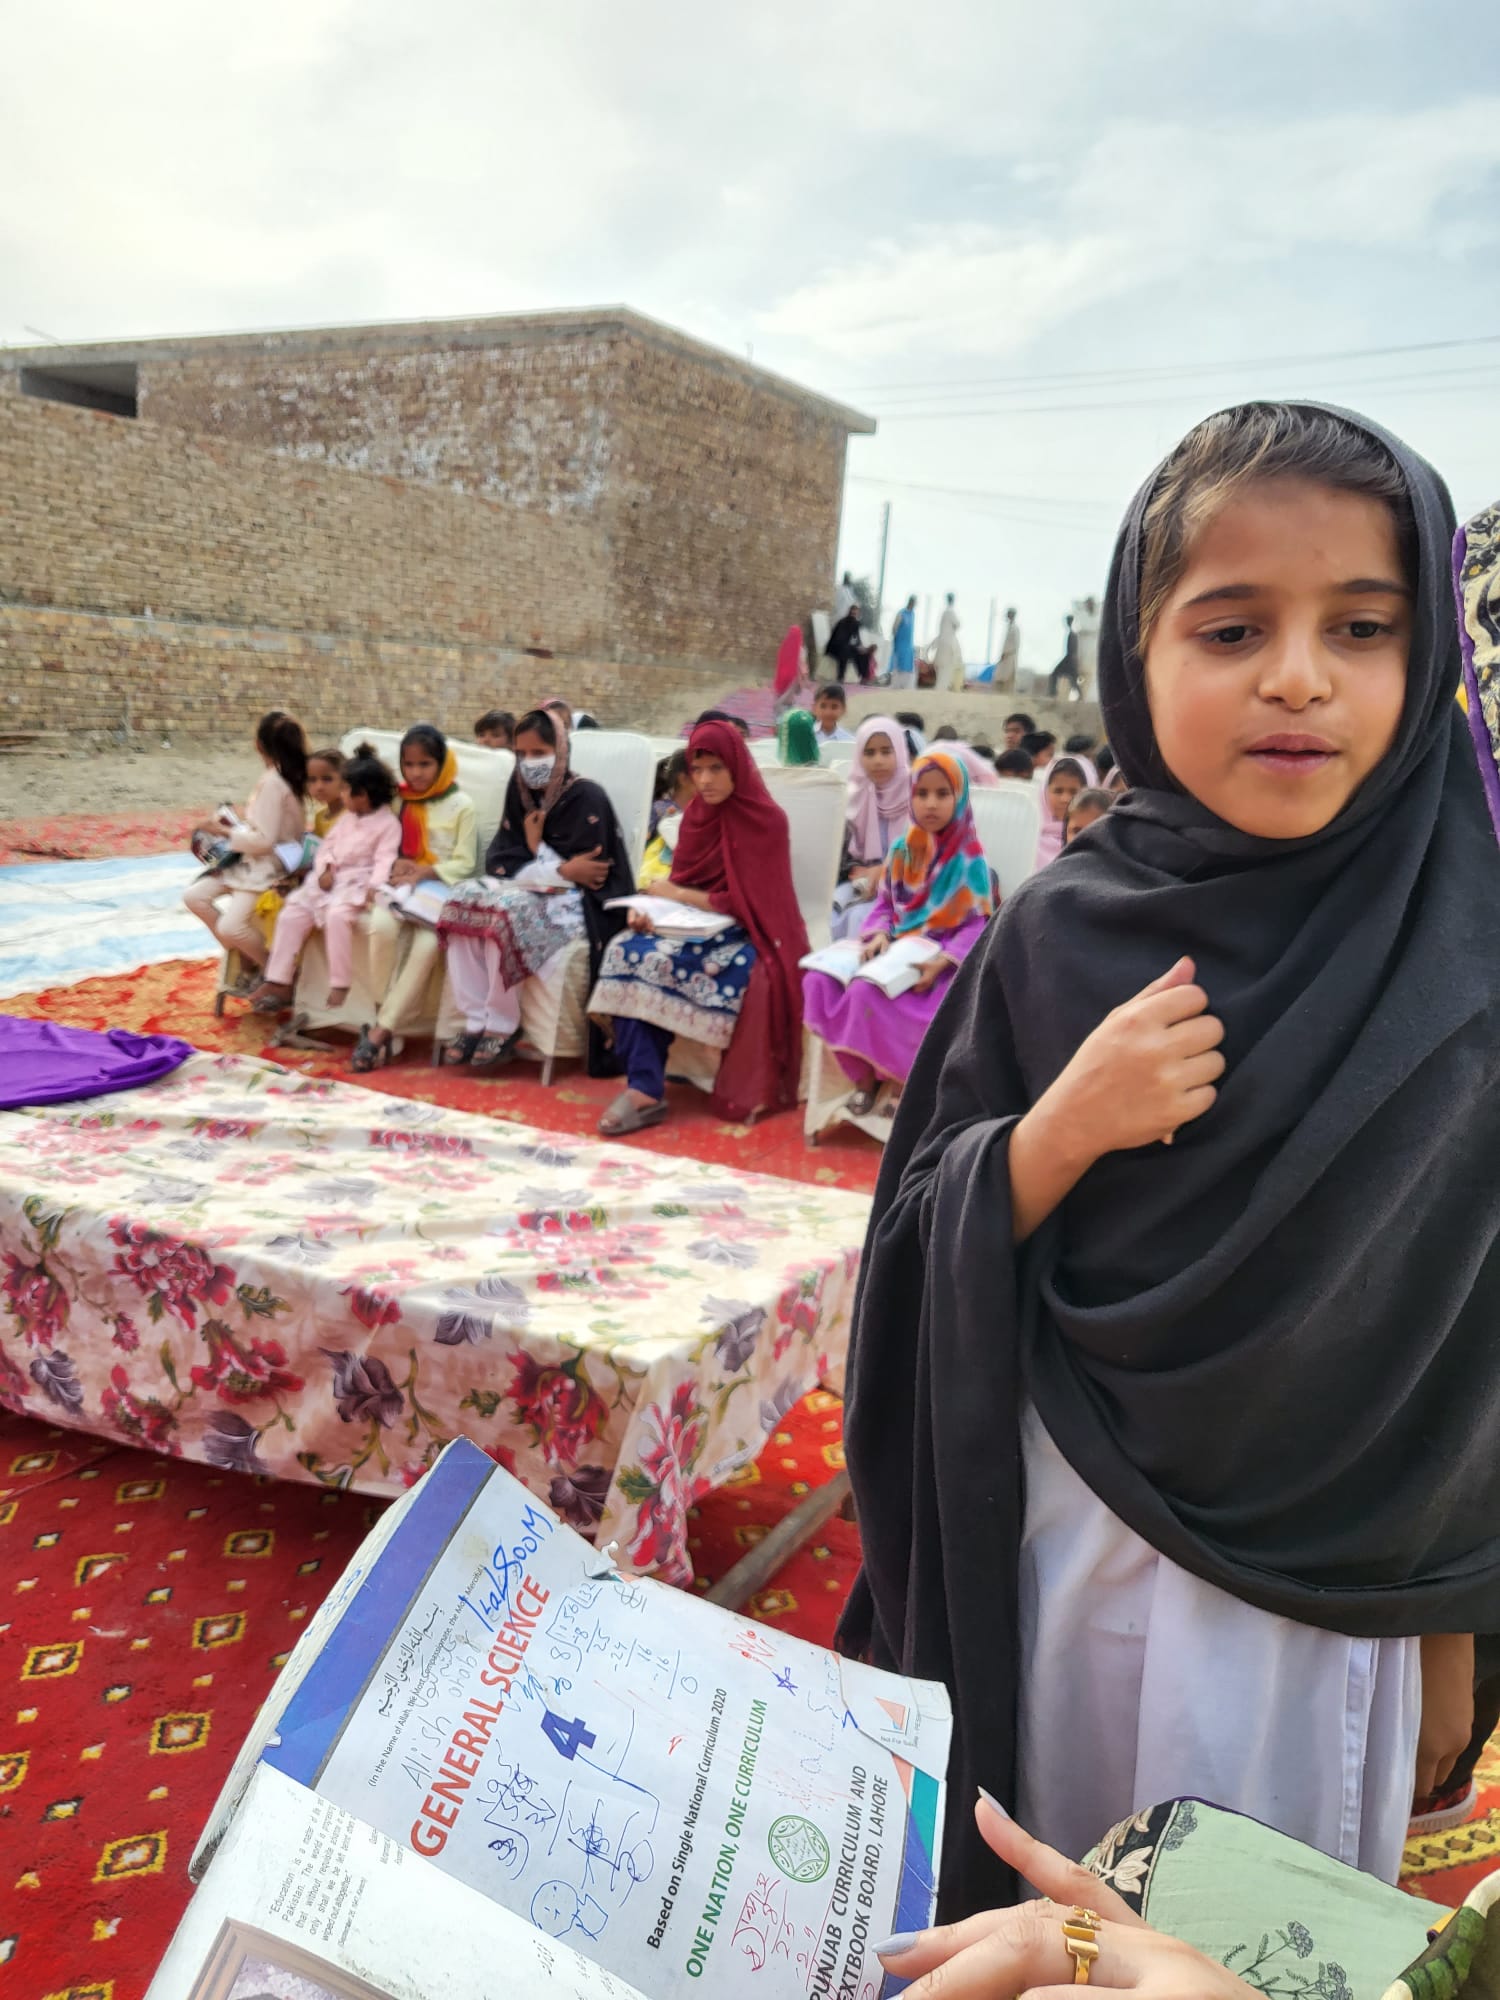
(739, 991)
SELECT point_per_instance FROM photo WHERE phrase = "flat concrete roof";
(100, 363)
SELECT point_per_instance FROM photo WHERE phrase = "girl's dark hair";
(909, 719)
(537, 722)
(1104, 761)
(722, 715)
(366, 774)
(1013, 764)
(431, 739)
(493, 719)
(334, 759)
(1026, 722)
(669, 772)
(280, 736)
(1081, 745)
(1258, 441)
(1037, 740)
(1092, 799)
(946, 734)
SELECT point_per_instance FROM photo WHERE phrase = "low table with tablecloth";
(274, 1274)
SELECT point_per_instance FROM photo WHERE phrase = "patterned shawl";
(937, 881)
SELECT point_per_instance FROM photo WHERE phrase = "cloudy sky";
(1035, 240)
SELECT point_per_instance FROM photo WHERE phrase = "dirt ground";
(110, 781)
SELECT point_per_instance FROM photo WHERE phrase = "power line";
(979, 493)
(1411, 387)
(1183, 368)
(925, 398)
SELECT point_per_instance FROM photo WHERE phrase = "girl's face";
(1277, 670)
(1062, 788)
(1079, 820)
(1013, 734)
(712, 780)
(323, 782)
(359, 803)
(530, 747)
(932, 803)
(419, 768)
(879, 760)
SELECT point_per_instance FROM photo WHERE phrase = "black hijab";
(1271, 1348)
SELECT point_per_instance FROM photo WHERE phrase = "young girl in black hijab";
(1174, 1396)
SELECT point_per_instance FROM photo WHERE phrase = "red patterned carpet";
(95, 836)
(146, 1608)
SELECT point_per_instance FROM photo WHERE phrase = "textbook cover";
(669, 1789)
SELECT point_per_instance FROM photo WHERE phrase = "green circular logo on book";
(798, 1848)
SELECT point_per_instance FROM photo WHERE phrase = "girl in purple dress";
(936, 884)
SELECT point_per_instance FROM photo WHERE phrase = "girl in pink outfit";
(350, 865)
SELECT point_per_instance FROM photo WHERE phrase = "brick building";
(590, 486)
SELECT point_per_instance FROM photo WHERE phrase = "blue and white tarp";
(62, 921)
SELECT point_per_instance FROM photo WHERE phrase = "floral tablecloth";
(278, 1275)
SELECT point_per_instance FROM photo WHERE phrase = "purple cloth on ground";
(867, 1029)
(44, 1063)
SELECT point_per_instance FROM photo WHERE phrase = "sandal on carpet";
(460, 1050)
(247, 983)
(623, 1117)
(270, 1000)
(862, 1103)
(370, 1054)
(491, 1051)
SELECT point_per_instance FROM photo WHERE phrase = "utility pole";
(989, 637)
(885, 542)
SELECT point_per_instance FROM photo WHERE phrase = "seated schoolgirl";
(935, 884)
(325, 794)
(1171, 1416)
(674, 788)
(556, 859)
(738, 991)
(1062, 781)
(439, 842)
(879, 803)
(225, 899)
(496, 729)
(353, 860)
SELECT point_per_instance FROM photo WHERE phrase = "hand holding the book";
(874, 945)
(1000, 1953)
(931, 973)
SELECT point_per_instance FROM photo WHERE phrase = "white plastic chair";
(835, 756)
(1007, 818)
(625, 765)
(765, 751)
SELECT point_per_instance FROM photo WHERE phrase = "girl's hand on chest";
(1150, 1066)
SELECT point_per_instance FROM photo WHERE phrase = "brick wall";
(115, 515)
(712, 488)
(95, 675)
(723, 506)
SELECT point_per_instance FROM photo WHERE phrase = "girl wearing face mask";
(556, 859)
(439, 838)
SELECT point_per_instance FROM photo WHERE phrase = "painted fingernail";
(993, 1803)
(894, 1946)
